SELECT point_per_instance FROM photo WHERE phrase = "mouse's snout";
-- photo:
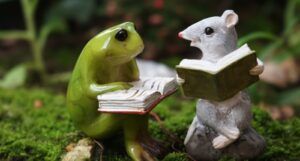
(180, 35)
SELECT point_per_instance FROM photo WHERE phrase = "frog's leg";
(135, 126)
(103, 126)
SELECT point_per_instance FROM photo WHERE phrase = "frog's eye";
(208, 30)
(121, 35)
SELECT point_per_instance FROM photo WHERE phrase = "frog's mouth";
(140, 50)
(126, 57)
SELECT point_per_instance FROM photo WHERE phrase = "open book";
(140, 99)
(221, 80)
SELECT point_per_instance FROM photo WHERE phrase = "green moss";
(31, 133)
(283, 137)
(176, 157)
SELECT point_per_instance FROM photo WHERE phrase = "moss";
(42, 133)
(31, 133)
(282, 137)
(176, 157)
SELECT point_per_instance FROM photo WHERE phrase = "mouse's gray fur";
(221, 127)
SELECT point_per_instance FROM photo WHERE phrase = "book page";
(131, 98)
(141, 96)
(133, 94)
(160, 84)
(234, 56)
(198, 64)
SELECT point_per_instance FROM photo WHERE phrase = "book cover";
(221, 83)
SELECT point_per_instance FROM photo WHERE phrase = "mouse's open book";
(221, 80)
(140, 99)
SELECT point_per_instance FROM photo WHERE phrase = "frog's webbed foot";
(137, 152)
(139, 144)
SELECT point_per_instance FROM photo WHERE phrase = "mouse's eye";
(208, 30)
(121, 35)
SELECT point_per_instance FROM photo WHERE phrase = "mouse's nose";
(180, 34)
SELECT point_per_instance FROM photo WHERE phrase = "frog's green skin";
(105, 65)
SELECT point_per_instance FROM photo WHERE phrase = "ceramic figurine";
(221, 127)
(105, 65)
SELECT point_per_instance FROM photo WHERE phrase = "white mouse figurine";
(221, 127)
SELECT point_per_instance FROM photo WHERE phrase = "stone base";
(199, 144)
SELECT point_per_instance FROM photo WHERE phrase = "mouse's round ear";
(230, 18)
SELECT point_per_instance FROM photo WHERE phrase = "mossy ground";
(34, 125)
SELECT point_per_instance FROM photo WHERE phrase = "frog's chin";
(138, 52)
(118, 60)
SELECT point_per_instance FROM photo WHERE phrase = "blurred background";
(40, 41)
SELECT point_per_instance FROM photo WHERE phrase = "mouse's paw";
(232, 133)
(179, 80)
(258, 69)
(221, 142)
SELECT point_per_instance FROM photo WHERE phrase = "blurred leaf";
(52, 25)
(16, 77)
(255, 36)
(78, 10)
(294, 39)
(283, 55)
(29, 6)
(270, 49)
(60, 78)
(290, 17)
(291, 97)
(3, 1)
(33, 4)
(14, 35)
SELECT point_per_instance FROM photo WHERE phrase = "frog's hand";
(130, 71)
(93, 89)
(104, 126)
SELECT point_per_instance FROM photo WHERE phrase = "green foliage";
(16, 77)
(78, 10)
(278, 49)
(36, 38)
(32, 131)
(281, 46)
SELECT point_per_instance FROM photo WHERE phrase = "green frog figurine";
(106, 64)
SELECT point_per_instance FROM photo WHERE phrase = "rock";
(82, 151)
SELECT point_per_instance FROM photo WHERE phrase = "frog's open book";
(140, 99)
(221, 80)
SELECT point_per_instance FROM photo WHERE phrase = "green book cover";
(219, 81)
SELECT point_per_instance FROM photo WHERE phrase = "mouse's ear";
(230, 18)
